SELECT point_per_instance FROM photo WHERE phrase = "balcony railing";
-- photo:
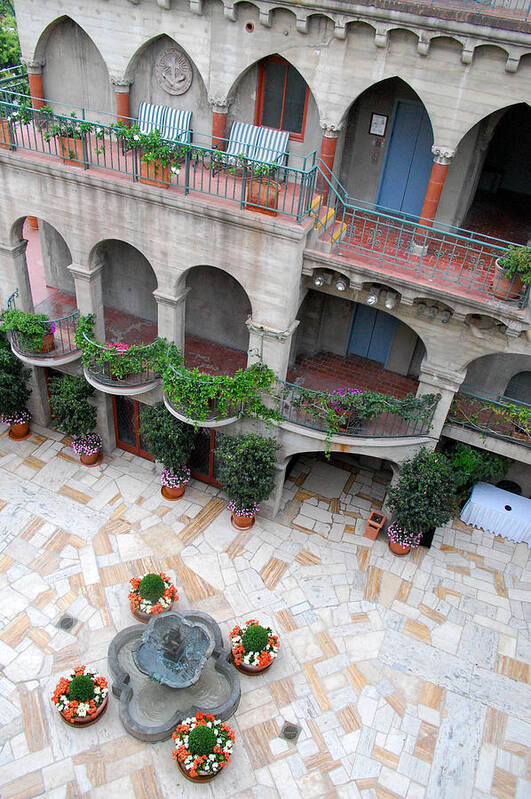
(309, 408)
(505, 9)
(116, 371)
(492, 415)
(58, 338)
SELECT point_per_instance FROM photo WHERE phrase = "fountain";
(170, 669)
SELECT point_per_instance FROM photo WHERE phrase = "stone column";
(14, 272)
(121, 93)
(89, 294)
(441, 161)
(436, 379)
(171, 316)
(219, 122)
(270, 508)
(34, 69)
(270, 346)
(327, 156)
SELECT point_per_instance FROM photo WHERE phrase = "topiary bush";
(202, 740)
(247, 468)
(255, 638)
(74, 415)
(81, 688)
(151, 587)
(14, 389)
(170, 441)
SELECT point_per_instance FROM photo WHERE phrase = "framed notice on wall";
(378, 124)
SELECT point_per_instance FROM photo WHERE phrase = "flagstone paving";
(409, 676)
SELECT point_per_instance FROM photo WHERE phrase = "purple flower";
(88, 444)
(20, 417)
(400, 536)
(176, 479)
(239, 511)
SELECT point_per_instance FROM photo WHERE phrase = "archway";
(217, 308)
(387, 156)
(501, 205)
(499, 373)
(519, 387)
(344, 343)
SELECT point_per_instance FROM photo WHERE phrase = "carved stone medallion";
(173, 71)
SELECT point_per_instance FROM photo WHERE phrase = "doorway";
(371, 334)
(408, 159)
(203, 461)
(127, 427)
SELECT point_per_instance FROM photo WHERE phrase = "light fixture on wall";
(433, 310)
(391, 299)
(421, 308)
(318, 280)
(372, 298)
(342, 283)
(445, 316)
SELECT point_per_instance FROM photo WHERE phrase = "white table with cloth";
(499, 512)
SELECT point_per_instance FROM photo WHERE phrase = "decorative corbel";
(196, 7)
(265, 17)
(302, 24)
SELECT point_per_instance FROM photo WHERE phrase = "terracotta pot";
(263, 192)
(154, 174)
(199, 778)
(144, 617)
(71, 150)
(242, 522)
(19, 431)
(398, 549)
(89, 460)
(86, 722)
(172, 493)
(48, 343)
(251, 670)
(6, 140)
(505, 288)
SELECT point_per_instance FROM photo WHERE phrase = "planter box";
(262, 196)
(71, 150)
(505, 288)
(6, 138)
(154, 174)
(375, 523)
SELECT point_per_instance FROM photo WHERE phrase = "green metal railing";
(13, 79)
(58, 336)
(506, 9)
(492, 415)
(109, 373)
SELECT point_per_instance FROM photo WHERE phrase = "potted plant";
(203, 747)
(14, 394)
(512, 270)
(81, 697)
(247, 474)
(262, 190)
(71, 135)
(158, 157)
(421, 499)
(32, 332)
(170, 441)
(150, 595)
(253, 647)
(75, 416)
(471, 465)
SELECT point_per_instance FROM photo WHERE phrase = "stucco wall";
(217, 307)
(55, 259)
(128, 280)
(493, 372)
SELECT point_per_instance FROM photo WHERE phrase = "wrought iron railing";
(203, 397)
(505, 9)
(13, 79)
(112, 372)
(307, 407)
(58, 336)
(492, 415)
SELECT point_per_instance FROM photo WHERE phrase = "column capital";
(34, 67)
(169, 299)
(84, 272)
(219, 105)
(441, 377)
(442, 155)
(270, 332)
(122, 85)
(331, 130)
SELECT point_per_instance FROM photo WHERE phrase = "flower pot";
(71, 150)
(6, 139)
(251, 670)
(87, 721)
(154, 174)
(505, 288)
(48, 343)
(172, 493)
(90, 460)
(141, 615)
(398, 549)
(200, 777)
(242, 522)
(263, 192)
(18, 432)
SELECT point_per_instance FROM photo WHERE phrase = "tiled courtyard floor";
(408, 675)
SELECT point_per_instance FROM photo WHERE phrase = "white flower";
(136, 138)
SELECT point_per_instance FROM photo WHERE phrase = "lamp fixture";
(433, 310)
(318, 280)
(421, 308)
(445, 316)
(373, 296)
(342, 284)
(391, 299)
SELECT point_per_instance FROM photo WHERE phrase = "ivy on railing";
(507, 419)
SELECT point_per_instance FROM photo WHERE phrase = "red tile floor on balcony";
(213, 358)
(325, 372)
(506, 215)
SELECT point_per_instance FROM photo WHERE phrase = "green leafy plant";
(517, 262)
(153, 147)
(70, 127)
(423, 496)
(508, 420)
(74, 415)
(247, 468)
(81, 689)
(151, 587)
(9, 44)
(14, 389)
(255, 638)
(29, 328)
(122, 360)
(170, 441)
(202, 740)
(471, 465)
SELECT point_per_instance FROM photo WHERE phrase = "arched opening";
(387, 156)
(499, 373)
(519, 387)
(74, 71)
(501, 204)
(217, 308)
(162, 73)
(345, 343)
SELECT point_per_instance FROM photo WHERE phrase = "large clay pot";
(141, 615)
(6, 140)
(86, 722)
(90, 460)
(154, 174)
(172, 493)
(48, 343)
(251, 670)
(71, 150)
(398, 549)
(200, 777)
(242, 522)
(18, 432)
(262, 196)
(505, 288)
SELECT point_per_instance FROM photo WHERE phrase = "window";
(282, 97)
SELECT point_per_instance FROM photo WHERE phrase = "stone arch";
(519, 387)
(62, 47)
(492, 373)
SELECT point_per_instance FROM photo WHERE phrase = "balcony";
(492, 415)
(510, 11)
(121, 369)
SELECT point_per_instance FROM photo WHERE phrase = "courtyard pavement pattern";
(407, 675)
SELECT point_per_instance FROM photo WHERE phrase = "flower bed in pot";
(174, 483)
(18, 424)
(253, 647)
(203, 747)
(88, 447)
(243, 518)
(150, 595)
(81, 697)
(401, 541)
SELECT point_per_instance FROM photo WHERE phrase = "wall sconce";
(318, 280)
(342, 284)
(391, 299)
(445, 316)
(433, 310)
(421, 308)
(374, 293)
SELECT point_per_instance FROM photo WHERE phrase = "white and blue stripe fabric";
(272, 146)
(177, 126)
(151, 117)
(243, 138)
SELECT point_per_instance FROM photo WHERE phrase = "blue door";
(372, 333)
(408, 160)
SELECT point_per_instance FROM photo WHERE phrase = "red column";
(219, 133)
(122, 105)
(439, 170)
(36, 90)
(328, 150)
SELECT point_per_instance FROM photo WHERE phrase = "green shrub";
(247, 468)
(151, 587)
(81, 688)
(30, 328)
(74, 415)
(471, 465)
(517, 261)
(170, 441)
(202, 740)
(14, 389)
(255, 638)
